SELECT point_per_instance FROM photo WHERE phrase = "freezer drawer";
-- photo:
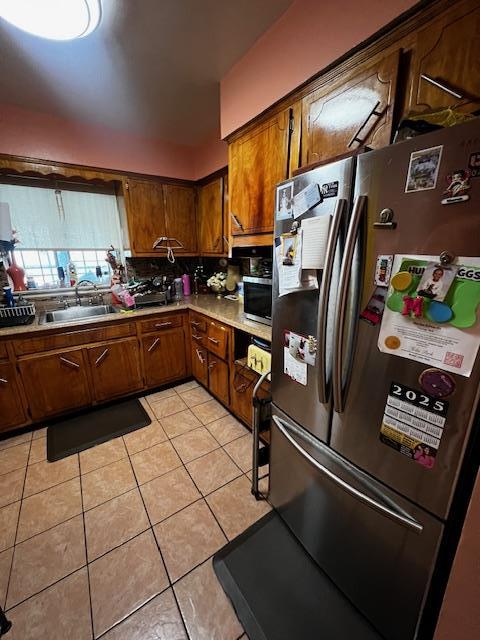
(377, 548)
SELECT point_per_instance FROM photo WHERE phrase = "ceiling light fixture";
(53, 19)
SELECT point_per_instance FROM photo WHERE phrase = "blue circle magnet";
(439, 312)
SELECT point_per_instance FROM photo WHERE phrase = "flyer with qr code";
(452, 344)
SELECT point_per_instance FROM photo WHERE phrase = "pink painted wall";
(460, 614)
(305, 39)
(209, 157)
(41, 135)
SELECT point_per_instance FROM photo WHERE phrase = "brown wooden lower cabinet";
(115, 368)
(241, 393)
(12, 412)
(164, 357)
(200, 364)
(55, 382)
(218, 378)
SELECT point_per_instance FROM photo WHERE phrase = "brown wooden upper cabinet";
(180, 216)
(257, 161)
(145, 207)
(448, 52)
(356, 111)
(210, 218)
(155, 210)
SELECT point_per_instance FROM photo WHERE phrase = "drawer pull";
(163, 324)
(101, 357)
(69, 363)
(212, 364)
(197, 337)
(3, 381)
(194, 323)
(214, 340)
(199, 356)
(153, 345)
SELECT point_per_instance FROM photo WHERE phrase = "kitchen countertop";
(228, 311)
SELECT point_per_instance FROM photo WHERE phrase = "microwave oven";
(257, 299)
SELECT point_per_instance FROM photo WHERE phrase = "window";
(42, 267)
(61, 223)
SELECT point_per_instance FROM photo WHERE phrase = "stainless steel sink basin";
(76, 313)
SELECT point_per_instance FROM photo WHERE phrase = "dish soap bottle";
(72, 274)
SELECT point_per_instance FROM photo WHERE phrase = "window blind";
(48, 218)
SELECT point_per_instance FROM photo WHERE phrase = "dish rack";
(14, 316)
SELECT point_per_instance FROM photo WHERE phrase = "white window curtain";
(48, 218)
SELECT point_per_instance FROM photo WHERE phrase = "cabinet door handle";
(163, 324)
(212, 364)
(237, 222)
(214, 340)
(199, 338)
(153, 345)
(442, 86)
(3, 381)
(194, 323)
(101, 357)
(373, 112)
(69, 363)
(199, 356)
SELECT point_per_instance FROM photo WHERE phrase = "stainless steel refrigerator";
(371, 517)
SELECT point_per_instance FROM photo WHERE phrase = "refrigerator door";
(312, 313)
(376, 547)
(423, 227)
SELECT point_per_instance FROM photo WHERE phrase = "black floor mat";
(279, 593)
(93, 427)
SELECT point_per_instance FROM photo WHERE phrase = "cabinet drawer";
(73, 338)
(161, 322)
(217, 339)
(3, 351)
(198, 323)
(198, 340)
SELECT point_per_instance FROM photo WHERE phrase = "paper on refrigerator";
(315, 239)
(435, 344)
(291, 277)
(293, 368)
(306, 199)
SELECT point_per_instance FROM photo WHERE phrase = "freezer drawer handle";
(338, 215)
(362, 497)
(343, 287)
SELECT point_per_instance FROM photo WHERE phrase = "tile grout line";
(170, 584)
(16, 528)
(86, 552)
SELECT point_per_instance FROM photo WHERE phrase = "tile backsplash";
(146, 268)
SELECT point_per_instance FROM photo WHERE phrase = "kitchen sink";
(76, 313)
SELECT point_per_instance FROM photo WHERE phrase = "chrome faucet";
(77, 295)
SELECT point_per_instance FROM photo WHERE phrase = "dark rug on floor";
(279, 593)
(88, 429)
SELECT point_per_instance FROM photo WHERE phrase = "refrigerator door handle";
(343, 286)
(396, 516)
(338, 216)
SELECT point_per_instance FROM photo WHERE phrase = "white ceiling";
(152, 67)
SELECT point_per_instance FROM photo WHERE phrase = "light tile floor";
(117, 542)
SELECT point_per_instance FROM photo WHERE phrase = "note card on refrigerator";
(315, 237)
